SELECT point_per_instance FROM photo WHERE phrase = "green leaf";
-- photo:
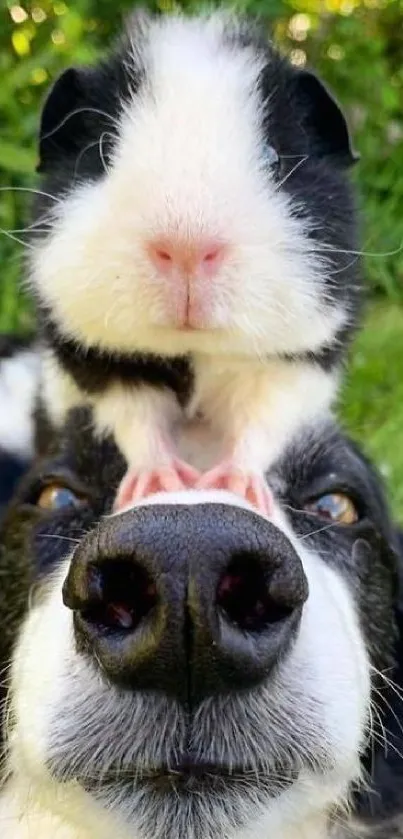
(14, 159)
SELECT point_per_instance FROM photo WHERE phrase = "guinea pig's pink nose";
(192, 258)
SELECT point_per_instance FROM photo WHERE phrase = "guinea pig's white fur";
(327, 668)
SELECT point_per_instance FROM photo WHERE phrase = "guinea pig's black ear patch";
(323, 120)
(63, 118)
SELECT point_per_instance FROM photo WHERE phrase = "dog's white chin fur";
(328, 661)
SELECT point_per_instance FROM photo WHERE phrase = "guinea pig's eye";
(335, 507)
(58, 496)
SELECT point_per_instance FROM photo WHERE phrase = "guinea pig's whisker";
(293, 170)
(28, 231)
(90, 146)
(76, 112)
(247, 324)
(45, 219)
(339, 821)
(327, 248)
(5, 675)
(82, 153)
(19, 241)
(293, 156)
(31, 190)
(101, 151)
(342, 268)
(40, 225)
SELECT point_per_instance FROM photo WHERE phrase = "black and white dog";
(189, 669)
(194, 251)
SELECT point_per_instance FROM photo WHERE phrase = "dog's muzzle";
(191, 601)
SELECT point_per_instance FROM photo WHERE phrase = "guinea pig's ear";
(323, 120)
(63, 118)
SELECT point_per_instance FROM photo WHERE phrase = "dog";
(189, 669)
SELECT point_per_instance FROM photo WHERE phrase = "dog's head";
(190, 669)
(194, 197)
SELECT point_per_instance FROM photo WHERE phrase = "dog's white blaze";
(328, 661)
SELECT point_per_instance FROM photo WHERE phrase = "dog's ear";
(323, 120)
(381, 806)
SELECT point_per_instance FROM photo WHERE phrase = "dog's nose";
(191, 600)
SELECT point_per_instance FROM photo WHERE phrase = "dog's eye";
(56, 496)
(335, 507)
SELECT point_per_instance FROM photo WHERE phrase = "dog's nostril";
(120, 595)
(243, 595)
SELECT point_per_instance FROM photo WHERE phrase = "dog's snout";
(188, 600)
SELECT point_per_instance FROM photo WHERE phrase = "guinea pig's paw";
(253, 487)
(173, 476)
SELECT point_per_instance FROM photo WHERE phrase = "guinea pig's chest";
(222, 391)
(95, 369)
(197, 380)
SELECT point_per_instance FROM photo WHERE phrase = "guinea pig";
(194, 265)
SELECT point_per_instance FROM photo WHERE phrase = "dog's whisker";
(59, 536)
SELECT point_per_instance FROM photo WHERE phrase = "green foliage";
(356, 45)
(372, 403)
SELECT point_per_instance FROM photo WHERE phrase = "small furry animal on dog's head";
(90, 758)
(198, 251)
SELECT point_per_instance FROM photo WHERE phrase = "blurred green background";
(357, 47)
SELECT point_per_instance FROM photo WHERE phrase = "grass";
(372, 399)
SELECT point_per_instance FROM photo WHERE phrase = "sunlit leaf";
(20, 43)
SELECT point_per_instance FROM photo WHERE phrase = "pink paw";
(251, 487)
(174, 476)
